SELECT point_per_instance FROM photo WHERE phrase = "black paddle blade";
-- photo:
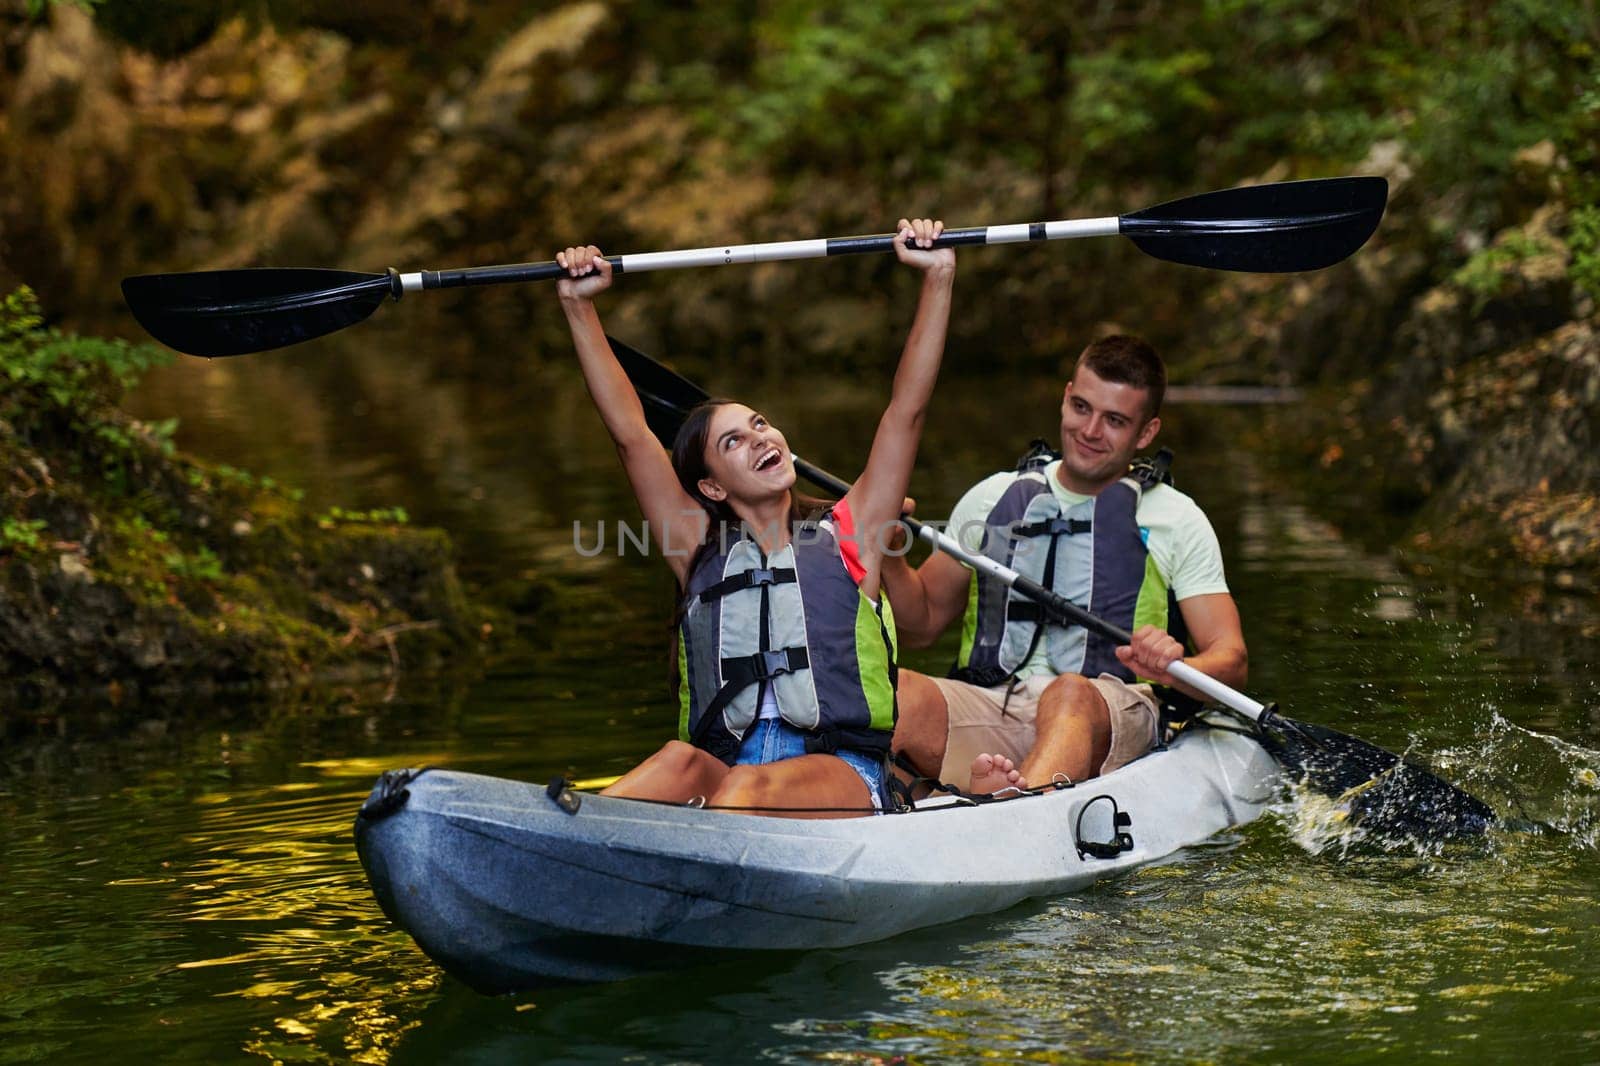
(1382, 793)
(232, 312)
(667, 397)
(1286, 226)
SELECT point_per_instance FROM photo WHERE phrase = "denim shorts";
(772, 739)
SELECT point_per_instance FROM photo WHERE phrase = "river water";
(180, 882)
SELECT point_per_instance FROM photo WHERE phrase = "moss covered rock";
(126, 566)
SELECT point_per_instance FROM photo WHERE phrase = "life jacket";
(1093, 554)
(795, 621)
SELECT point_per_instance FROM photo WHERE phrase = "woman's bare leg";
(800, 782)
(676, 774)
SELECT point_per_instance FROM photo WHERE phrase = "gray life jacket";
(797, 622)
(1092, 554)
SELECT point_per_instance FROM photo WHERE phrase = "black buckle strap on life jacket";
(759, 577)
(1053, 527)
(1150, 471)
(1038, 456)
(743, 671)
(1040, 619)
(980, 676)
(1017, 609)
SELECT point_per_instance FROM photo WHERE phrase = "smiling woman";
(786, 656)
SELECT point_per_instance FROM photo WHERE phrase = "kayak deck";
(507, 888)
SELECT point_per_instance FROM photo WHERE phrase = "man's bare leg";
(923, 728)
(1074, 732)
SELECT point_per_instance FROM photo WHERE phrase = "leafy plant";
(60, 384)
(1584, 240)
(1486, 274)
(21, 535)
(73, 373)
(199, 565)
(377, 516)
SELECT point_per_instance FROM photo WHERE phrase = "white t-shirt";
(1175, 531)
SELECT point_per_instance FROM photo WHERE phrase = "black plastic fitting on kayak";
(390, 793)
(397, 287)
(1120, 840)
(563, 796)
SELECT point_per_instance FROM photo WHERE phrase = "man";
(1032, 699)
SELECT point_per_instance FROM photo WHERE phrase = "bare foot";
(991, 773)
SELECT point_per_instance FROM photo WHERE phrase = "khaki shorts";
(978, 725)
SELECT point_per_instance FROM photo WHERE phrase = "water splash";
(1317, 823)
(1545, 783)
(1537, 783)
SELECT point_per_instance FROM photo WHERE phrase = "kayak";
(509, 885)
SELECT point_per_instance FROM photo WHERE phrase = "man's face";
(1103, 427)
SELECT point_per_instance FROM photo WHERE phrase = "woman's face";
(746, 458)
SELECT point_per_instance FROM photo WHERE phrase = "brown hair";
(689, 459)
(1126, 360)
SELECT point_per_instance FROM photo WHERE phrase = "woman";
(786, 651)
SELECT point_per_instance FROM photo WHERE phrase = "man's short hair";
(1125, 360)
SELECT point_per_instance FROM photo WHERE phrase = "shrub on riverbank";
(127, 566)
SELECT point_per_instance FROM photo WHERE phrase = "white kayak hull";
(503, 887)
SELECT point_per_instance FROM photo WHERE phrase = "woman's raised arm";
(877, 495)
(677, 523)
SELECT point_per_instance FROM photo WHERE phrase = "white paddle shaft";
(771, 252)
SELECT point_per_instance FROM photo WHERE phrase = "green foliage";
(1579, 139)
(1143, 93)
(37, 8)
(1487, 273)
(1583, 239)
(377, 516)
(200, 565)
(57, 384)
(19, 536)
(1122, 102)
(20, 320)
(912, 78)
(70, 373)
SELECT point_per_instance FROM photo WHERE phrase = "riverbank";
(1457, 347)
(1462, 415)
(129, 570)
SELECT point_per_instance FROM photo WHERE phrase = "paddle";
(1382, 792)
(1286, 226)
